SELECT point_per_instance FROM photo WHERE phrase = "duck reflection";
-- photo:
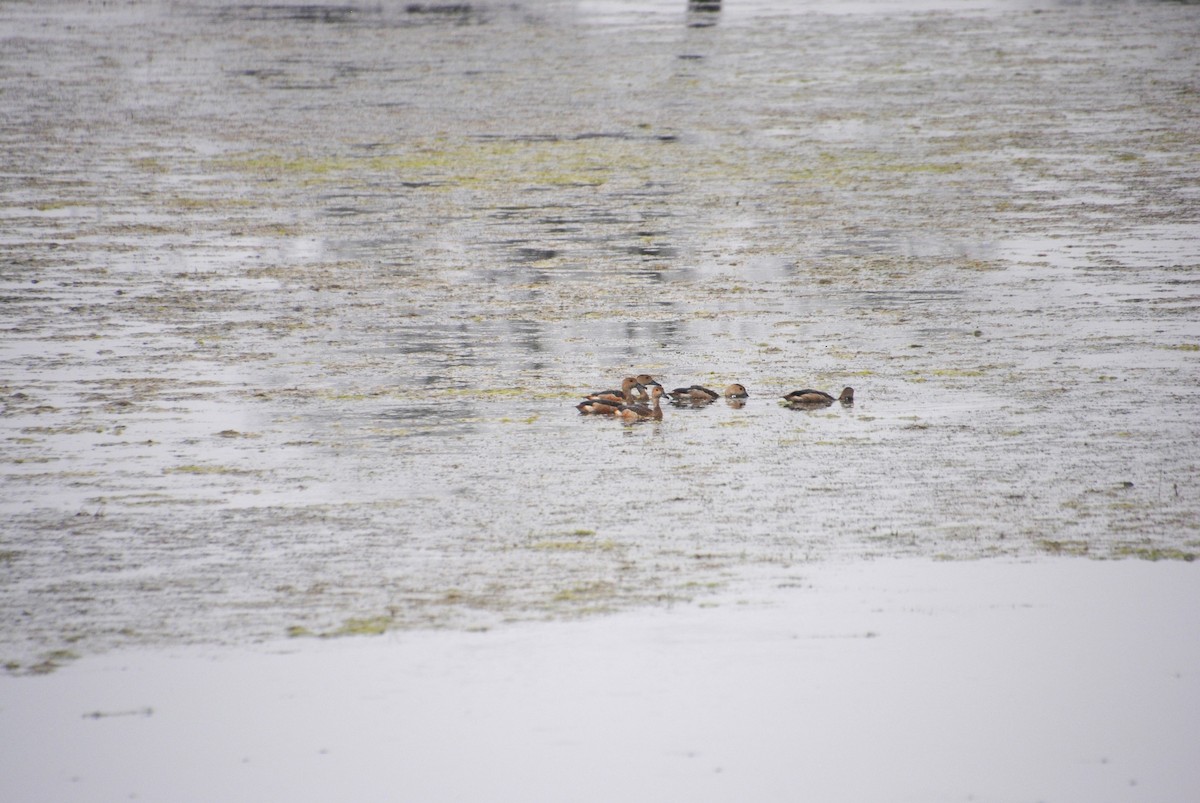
(702, 13)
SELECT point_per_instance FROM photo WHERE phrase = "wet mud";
(296, 302)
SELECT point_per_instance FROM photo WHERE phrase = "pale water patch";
(1060, 680)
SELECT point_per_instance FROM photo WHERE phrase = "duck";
(597, 407)
(639, 412)
(647, 381)
(810, 397)
(696, 394)
(631, 390)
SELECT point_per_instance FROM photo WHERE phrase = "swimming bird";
(698, 394)
(638, 412)
(597, 407)
(695, 394)
(631, 390)
(646, 380)
(813, 398)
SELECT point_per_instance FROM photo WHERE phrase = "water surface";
(298, 300)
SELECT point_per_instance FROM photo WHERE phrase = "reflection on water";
(444, 419)
(455, 349)
(359, 15)
(703, 13)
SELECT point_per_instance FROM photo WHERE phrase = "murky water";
(297, 301)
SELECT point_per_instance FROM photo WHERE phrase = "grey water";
(297, 301)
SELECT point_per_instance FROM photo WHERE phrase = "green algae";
(577, 545)
(437, 165)
(1061, 547)
(209, 469)
(362, 626)
(1153, 553)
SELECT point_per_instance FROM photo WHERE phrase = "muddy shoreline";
(296, 305)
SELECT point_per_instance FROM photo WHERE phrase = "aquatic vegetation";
(590, 592)
(957, 372)
(578, 545)
(208, 469)
(365, 626)
(1058, 547)
(50, 662)
(438, 164)
(1152, 553)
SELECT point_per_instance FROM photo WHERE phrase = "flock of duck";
(640, 398)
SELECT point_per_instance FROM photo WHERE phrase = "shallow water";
(298, 299)
(888, 680)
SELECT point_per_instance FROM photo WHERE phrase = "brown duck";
(631, 391)
(814, 398)
(647, 381)
(639, 412)
(698, 394)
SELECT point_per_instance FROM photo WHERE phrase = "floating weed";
(199, 469)
(956, 372)
(585, 592)
(390, 432)
(441, 163)
(564, 545)
(51, 661)
(1153, 553)
(162, 500)
(851, 440)
(368, 626)
(1056, 547)
(491, 393)
(710, 585)
(1184, 347)
(193, 203)
(531, 419)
